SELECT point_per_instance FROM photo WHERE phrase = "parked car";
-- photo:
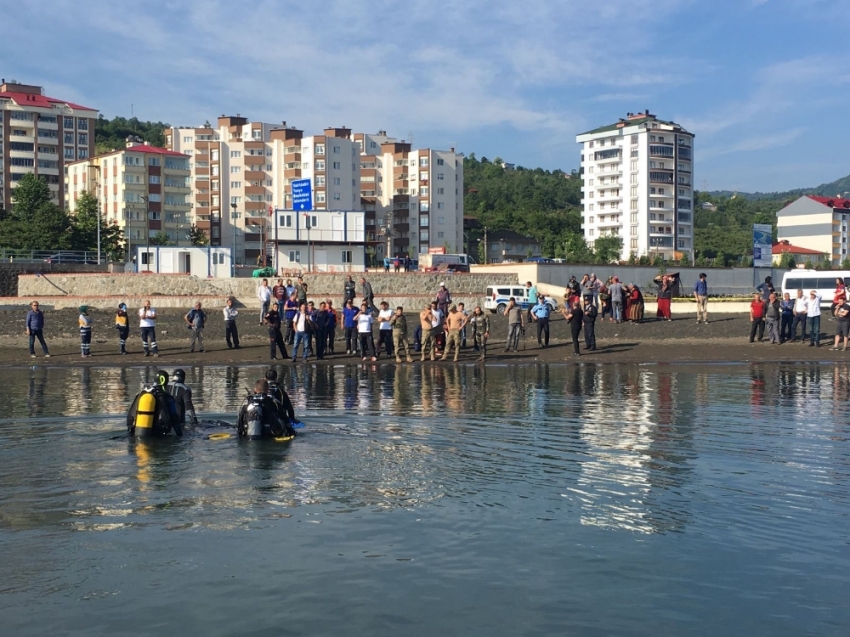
(499, 295)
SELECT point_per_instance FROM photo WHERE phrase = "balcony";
(255, 190)
(254, 160)
(254, 175)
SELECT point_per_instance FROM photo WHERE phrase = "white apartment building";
(242, 171)
(638, 185)
(816, 223)
(40, 134)
(142, 189)
(413, 199)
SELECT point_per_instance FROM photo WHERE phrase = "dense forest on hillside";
(111, 134)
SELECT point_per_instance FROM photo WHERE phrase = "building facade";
(142, 189)
(413, 198)
(320, 241)
(638, 185)
(40, 134)
(507, 246)
(816, 223)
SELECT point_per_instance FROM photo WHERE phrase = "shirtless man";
(428, 332)
(455, 322)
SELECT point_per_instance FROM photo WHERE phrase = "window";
(320, 164)
(285, 221)
(82, 123)
(154, 198)
(423, 222)
(423, 161)
(423, 235)
(68, 122)
(236, 200)
(336, 196)
(633, 205)
(83, 153)
(440, 162)
(69, 152)
(423, 191)
(295, 256)
(440, 177)
(424, 206)
(347, 256)
(215, 171)
(320, 181)
(235, 184)
(633, 165)
(153, 161)
(234, 154)
(590, 232)
(320, 149)
(153, 179)
(320, 197)
(441, 191)
(441, 205)
(336, 165)
(590, 207)
(68, 139)
(336, 150)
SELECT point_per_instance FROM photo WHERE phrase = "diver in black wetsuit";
(260, 415)
(279, 394)
(183, 397)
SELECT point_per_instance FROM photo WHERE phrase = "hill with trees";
(111, 134)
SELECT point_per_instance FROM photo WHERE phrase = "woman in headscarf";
(635, 304)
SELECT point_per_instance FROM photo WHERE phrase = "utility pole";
(147, 232)
(233, 217)
(485, 245)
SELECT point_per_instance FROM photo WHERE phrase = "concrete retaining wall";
(10, 271)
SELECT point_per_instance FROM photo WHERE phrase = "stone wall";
(9, 272)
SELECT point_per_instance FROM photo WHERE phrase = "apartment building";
(140, 188)
(413, 199)
(241, 171)
(40, 134)
(638, 184)
(816, 224)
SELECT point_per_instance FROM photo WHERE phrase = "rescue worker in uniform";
(480, 323)
(183, 397)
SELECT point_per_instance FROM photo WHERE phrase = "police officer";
(183, 397)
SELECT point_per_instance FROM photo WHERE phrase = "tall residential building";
(413, 199)
(40, 134)
(638, 185)
(142, 189)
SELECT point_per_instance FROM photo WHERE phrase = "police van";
(497, 297)
(823, 281)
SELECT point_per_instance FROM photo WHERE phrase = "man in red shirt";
(757, 309)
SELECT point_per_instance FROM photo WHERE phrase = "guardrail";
(9, 255)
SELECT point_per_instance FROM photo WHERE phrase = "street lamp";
(233, 217)
(309, 256)
(147, 231)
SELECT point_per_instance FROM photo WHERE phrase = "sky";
(763, 84)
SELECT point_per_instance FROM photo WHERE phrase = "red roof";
(783, 246)
(40, 101)
(836, 202)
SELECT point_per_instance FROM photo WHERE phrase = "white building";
(40, 134)
(413, 199)
(638, 185)
(320, 241)
(205, 262)
(816, 223)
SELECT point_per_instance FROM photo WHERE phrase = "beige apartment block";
(142, 189)
(39, 135)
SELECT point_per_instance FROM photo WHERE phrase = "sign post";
(302, 195)
(762, 245)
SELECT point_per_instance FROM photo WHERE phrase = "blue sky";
(764, 84)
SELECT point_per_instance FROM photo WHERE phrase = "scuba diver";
(280, 396)
(182, 396)
(259, 416)
(154, 412)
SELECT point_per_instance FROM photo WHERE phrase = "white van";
(807, 280)
(499, 295)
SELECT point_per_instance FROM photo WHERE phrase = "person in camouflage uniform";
(480, 323)
(399, 324)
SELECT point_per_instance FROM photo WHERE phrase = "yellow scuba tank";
(146, 414)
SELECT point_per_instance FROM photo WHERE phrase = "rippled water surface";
(444, 500)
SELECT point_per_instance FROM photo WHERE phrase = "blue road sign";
(302, 195)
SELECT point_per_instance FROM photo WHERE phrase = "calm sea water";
(444, 500)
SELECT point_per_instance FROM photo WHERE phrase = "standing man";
(454, 324)
(801, 308)
(289, 310)
(701, 296)
(480, 331)
(786, 306)
(575, 317)
(462, 309)
(332, 321)
(196, 318)
(147, 327)
(365, 318)
(540, 314)
(615, 291)
(321, 319)
(589, 323)
(301, 322)
(813, 313)
(182, 396)
(515, 324)
(122, 324)
(842, 315)
(280, 295)
(368, 294)
(426, 320)
(399, 325)
(771, 318)
(444, 299)
(757, 308)
(264, 293)
(301, 290)
(35, 329)
(349, 323)
(231, 334)
(350, 291)
(532, 297)
(272, 320)
(85, 331)
(385, 329)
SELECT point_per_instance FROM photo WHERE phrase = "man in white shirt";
(385, 329)
(302, 324)
(813, 314)
(801, 306)
(437, 327)
(147, 323)
(264, 293)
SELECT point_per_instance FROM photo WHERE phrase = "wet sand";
(724, 339)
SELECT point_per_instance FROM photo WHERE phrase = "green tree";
(845, 264)
(112, 134)
(809, 265)
(685, 261)
(35, 223)
(721, 260)
(786, 261)
(658, 261)
(198, 237)
(632, 258)
(161, 239)
(576, 250)
(607, 249)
